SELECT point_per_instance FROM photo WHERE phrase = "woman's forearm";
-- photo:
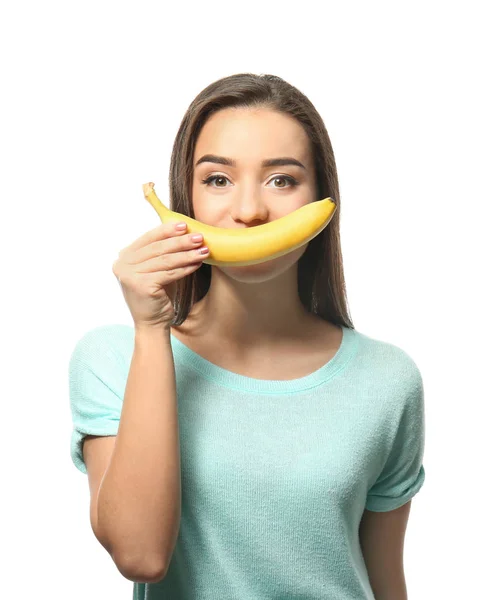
(140, 495)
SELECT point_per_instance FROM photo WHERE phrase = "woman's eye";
(284, 178)
(208, 180)
(293, 182)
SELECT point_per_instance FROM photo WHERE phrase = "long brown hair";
(321, 282)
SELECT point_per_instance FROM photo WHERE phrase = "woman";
(243, 439)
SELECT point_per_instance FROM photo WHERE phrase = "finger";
(171, 262)
(163, 231)
(163, 247)
(158, 274)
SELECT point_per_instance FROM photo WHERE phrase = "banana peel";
(237, 247)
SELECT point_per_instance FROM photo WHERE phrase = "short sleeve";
(403, 474)
(96, 387)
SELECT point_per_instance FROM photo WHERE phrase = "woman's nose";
(249, 206)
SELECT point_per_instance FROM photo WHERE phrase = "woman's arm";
(139, 500)
(382, 539)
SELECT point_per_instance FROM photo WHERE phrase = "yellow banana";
(237, 247)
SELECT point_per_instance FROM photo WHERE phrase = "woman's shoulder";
(102, 341)
(388, 360)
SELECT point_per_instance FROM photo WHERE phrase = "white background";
(92, 97)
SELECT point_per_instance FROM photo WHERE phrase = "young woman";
(243, 439)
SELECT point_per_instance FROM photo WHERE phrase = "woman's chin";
(269, 269)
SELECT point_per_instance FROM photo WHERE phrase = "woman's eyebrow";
(270, 162)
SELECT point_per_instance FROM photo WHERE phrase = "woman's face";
(250, 194)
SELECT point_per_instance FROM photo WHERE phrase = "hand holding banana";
(249, 246)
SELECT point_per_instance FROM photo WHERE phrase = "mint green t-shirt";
(275, 474)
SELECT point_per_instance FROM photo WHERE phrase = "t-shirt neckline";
(219, 375)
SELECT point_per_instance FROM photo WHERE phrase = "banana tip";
(148, 188)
